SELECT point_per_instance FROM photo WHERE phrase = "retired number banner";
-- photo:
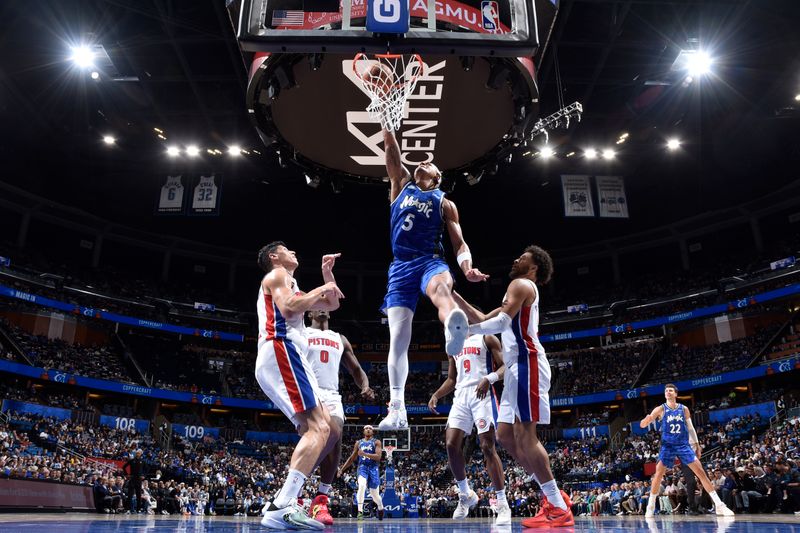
(577, 196)
(611, 196)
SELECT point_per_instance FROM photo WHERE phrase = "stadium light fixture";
(590, 153)
(109, 139)
(797, 98)
(95, 75)
(235, 150)
(82, 56)
(547, 152)
(673, 144)
(608, 154)
(192, 150)
(173, 151)
(698, 63)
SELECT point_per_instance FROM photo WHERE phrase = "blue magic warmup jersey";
(673, 426)
(417, 223)
(367, 446)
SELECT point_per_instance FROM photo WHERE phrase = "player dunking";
(368, 451)
(326, 349)
(419, 213)
(525, 400)
(677, 438)
(474, 404)
(285, 376)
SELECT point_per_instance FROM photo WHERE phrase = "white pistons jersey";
(273, 325)
(521, 339)
(473, 363)
(325, 350)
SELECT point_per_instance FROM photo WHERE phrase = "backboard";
(509, 28)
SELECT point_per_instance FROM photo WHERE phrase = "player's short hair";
(264, 262)
(544, 263)
(671, 386)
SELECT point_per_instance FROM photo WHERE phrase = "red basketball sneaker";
(319, 510)
(551, 516)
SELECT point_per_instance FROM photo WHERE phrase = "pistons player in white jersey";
(525, 400)
(285, 376)
(472, 374)
(326, 350)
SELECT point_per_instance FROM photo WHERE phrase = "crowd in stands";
(600, 369)
(681, 362)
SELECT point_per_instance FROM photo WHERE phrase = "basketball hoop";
(389, 451)
(389, 79)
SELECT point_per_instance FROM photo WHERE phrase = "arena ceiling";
(175, 66)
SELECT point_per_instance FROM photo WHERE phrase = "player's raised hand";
(482, 388)
(432, 403)
(368, 394)
(331, 289)
(473, 274)
(328, 260)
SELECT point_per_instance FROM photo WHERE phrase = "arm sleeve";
(491, 326)
(692, 432)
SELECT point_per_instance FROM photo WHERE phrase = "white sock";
(500, 495)
(715, 498)
(324, 488)
(550, 490)
(291, 487)
(463, 486)
(399, 338)
(362, 489)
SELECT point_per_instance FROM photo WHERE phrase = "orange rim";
(361, 56)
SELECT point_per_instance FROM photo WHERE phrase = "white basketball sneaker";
(456, 331)
(465, 503)
(503, 514)
(290, 517)
(396, 419)
(723, 510)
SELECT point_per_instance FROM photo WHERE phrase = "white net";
(388, 79)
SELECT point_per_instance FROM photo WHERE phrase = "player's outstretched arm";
(398, 173)
(448, 386)
(460, 248)
(328, 260)
(494, 346)
(354, 368)
(652, 417)
(518, 292)
(279, 284)
(349, 461)
(473, 315)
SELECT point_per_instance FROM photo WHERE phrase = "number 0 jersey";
(325, 350)
(473, 363)
(417, 222)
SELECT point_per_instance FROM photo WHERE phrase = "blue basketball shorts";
(407, 279)
(669, 452)
(371, 474)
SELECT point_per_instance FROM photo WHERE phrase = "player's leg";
(454, 443)
(400, 319)
(437, 284)
(329, 465)
(373, 484)
(655, 485)
(361, 492)
(494, 467)
(719, 507)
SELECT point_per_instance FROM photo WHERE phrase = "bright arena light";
(82, 56)
(797, 98)
(698, 63)
(95, 75)
(590, 153)
(673, 144)
(608, 153)
(234, 150)
(547, 152)
(108, 139)
(192, 150)
(173, 151)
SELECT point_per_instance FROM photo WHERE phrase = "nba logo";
(491, 15)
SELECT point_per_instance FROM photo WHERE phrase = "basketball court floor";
(80, 523)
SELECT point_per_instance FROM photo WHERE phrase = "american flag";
(287, 18)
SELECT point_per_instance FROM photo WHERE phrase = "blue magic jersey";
(673, 426)
(367, 446)
(417, 222)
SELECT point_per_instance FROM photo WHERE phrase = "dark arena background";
(150, 148)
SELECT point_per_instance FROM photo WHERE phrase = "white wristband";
(463, 256)
(492, 378)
